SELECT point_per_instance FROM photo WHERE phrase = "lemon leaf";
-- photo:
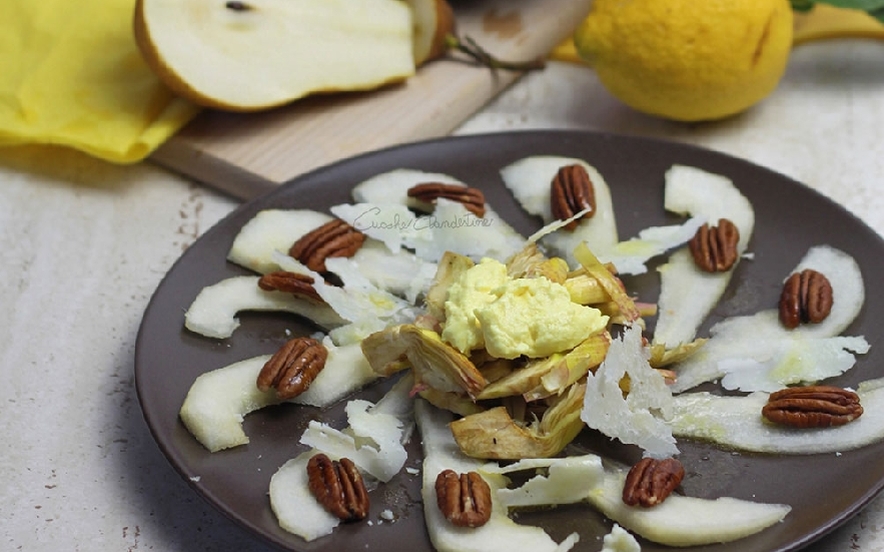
(875, 8)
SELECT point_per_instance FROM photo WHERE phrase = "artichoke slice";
(541, 378)
(494, 434)
(661, 356)
(449, 269)
(435, 363)
(609, 282)
(585, 289)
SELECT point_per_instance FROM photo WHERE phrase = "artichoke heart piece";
(551, 375)
(449, 269)
(585, 289)
(530, 262)
(494, 434)
(609, 282)
(661, 356)
(435, 363)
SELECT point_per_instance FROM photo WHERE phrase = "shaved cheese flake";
(638, 418)
(620, 540)
(688, 294)
(401, 273)
(213, 311)
(529, 180)
(567, 481)
(630, 256)
(737, 422)
(271, 231)
(387, 223)
(375, 438)
(451, 227)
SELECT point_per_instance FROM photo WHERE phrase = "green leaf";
(875, 8)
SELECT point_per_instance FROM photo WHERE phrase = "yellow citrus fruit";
(687, 60)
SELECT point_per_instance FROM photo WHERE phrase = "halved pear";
(256, 54)
(433, 23)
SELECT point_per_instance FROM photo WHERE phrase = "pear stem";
(469, 47)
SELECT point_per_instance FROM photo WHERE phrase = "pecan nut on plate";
(464, 499)
(714, 248)
(293, 367)
(335, 238)
(290, 282)
(471, 198)
(650, 481)
(806, 298)
(812, 407)
(571, 191)
(338, 486)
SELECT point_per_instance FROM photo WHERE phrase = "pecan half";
(293, 367)
(571, 191)
(335, 238)
(715, 248)
(806, 297)
(289, 282)
(471, 198)
(650, 481)
(812, 406)
(338, 486)
(465, 499)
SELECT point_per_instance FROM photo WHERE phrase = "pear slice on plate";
(255, 54)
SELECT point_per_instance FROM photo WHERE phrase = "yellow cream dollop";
(471, 291)
(532, 317)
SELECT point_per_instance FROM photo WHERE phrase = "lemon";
(687, 60)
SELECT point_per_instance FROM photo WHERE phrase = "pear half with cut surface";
(250, 55)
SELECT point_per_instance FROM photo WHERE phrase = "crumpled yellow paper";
(71, 75)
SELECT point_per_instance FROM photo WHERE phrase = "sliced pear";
(736, 422)
(687, 294)
(250, 55)
(391, 187)
(217, 402)
(685, 521)
(295, 507)
(213, 311)
(433, 23)
(500, 532)
(757, 353)
(529, 180)
(270, 232)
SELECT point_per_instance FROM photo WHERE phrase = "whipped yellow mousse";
(513, 317)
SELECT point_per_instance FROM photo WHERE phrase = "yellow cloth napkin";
(823, 21)
(71, 75)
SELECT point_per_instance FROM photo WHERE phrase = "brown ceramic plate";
(824, 490)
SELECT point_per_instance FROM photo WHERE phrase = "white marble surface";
(83, 244)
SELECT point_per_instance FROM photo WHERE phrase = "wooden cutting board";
(248, 154)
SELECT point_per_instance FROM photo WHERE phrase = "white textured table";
(84, 244)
